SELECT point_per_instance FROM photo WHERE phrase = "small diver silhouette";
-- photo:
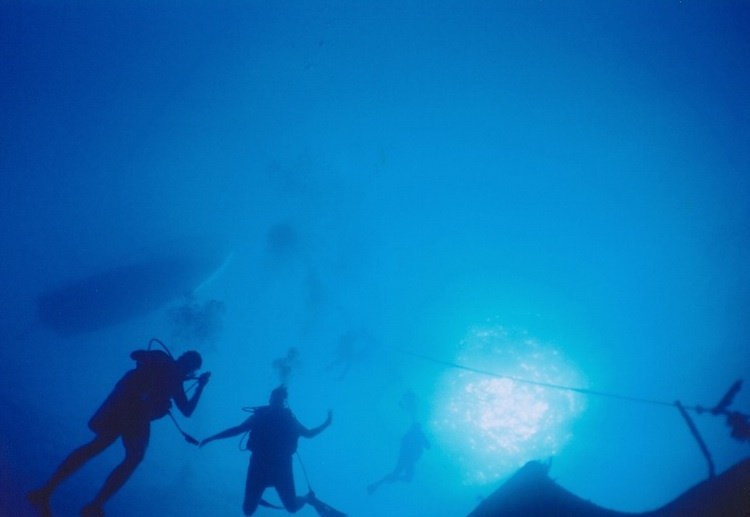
(413, 444)
(284, 366)
(353, 347)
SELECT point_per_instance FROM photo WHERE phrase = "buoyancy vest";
(275, 432)
(153, 382)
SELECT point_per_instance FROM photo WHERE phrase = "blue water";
(575, 171)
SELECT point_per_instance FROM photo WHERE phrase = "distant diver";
(412, 445)
(142, 395)
(351, 348)
(284, 366)
(273, 435)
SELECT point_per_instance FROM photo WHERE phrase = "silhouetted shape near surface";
(122, 292)
(142, 395)
(412, 445)
(739, 423)
(531, 493)
(273, 435)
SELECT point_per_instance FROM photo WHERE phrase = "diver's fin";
(265, 503)
(323, 509)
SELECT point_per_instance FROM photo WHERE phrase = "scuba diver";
(412, 444)
(140, 396)
(274, 432)
(284, 366)
(353, 347)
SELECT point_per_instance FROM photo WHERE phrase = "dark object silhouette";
(531, 493)
(412, 445)
(142, 395)
(122, 292)
(739, 423)
(727, 399)
(273, 435)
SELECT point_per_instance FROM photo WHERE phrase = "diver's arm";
(228, 433)
(310, 433)
(185, 405)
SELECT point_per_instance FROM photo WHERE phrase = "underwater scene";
(397, 259)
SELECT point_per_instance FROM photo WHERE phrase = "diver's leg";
(374, 486)
(254, 488)
(285, 488)
(39, 499)
(283, 481)
(135, 442)
(387, 479)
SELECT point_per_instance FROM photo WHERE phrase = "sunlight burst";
(494, 424)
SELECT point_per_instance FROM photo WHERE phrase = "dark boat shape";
(122, 292)
(531, 493)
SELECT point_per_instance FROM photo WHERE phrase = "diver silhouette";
(412, 444)
(274, 433)
(140, 396)
(353, 347)
(284, 366)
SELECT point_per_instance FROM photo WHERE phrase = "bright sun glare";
(494, 424)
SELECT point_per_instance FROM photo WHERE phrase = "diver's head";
(189, 362)
(279, 396)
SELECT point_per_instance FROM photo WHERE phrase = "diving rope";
(739, 422)
(698, 438)
(584, 391)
